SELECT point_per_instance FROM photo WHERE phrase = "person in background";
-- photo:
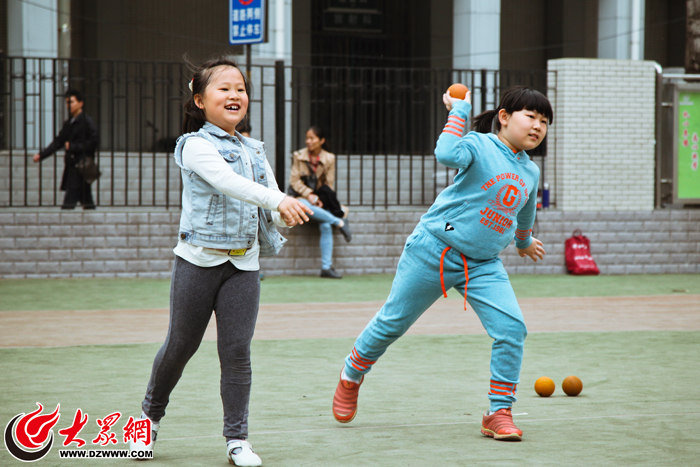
(79, 139)
(312, 182)
(244, 127)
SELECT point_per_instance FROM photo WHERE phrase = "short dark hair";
(514, 99)
(74, 93)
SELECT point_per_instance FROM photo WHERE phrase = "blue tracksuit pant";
(417, 286)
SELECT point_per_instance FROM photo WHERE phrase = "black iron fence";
(382, 125)
(137, 109)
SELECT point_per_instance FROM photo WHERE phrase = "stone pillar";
(477, 34)
(64, 29)
(32, 33)
(277, 47)
(32, 28)
(621, 29)
(279, 35)
(477, 40)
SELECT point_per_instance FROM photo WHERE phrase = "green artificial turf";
(420, 406)
(115, 294)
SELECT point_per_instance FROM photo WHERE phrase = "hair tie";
(190, 85)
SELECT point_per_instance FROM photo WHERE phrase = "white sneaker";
(142, 448)
(240, 453)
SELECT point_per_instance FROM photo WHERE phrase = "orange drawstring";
(466, 275)
(442, 278)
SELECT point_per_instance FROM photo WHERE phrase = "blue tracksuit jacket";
(493, 198)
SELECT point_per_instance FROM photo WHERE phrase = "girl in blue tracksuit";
(457, 243)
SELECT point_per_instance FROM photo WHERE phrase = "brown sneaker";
(345, 400)
(500, 426)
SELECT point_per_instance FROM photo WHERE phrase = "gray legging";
(234, 295)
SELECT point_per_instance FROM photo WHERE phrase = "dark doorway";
(370, 33)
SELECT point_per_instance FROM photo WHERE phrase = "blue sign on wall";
(246, 22)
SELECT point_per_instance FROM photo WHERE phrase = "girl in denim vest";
(230, 204)
(457, 243)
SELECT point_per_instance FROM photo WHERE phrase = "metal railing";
(382, 124)
(137, 109)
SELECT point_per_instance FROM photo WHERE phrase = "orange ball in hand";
(572, 386)
(544, 386)
(458, 91)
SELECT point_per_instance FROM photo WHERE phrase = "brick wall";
(36, 242)
(44, 242)
(601, 151)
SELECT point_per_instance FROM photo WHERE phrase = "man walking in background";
(79, 138)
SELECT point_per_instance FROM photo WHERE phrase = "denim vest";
(213, 220)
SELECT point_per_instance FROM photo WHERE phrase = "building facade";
(463, 34)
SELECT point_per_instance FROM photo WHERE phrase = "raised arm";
(453, 149)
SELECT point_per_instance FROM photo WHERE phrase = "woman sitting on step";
(311, 181)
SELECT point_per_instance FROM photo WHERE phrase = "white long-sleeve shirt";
(201, 157)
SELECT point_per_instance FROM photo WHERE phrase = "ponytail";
(483, 123)
(195, 118)
(513, 100)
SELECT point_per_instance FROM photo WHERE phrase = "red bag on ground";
(577, 253)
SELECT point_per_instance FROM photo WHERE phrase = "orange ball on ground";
(544, 386)
(572, 386)
(458, 91)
